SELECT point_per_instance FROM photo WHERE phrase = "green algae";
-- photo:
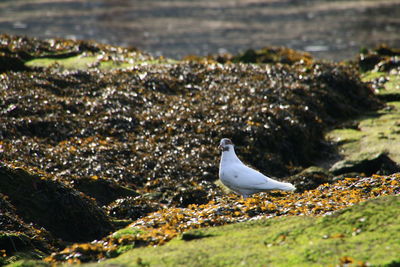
(76, 62)
(366, 232)
(126, 232)
(84, 62)
(28, 263)
(376, 132)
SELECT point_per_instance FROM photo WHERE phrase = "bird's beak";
(220, 147)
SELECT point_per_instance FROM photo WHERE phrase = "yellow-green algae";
(87, 61)
(365, 233)
(377, 132)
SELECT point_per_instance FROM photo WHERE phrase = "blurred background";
(334, 30)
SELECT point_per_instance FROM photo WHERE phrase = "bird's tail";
(277, 185)
(287, 187)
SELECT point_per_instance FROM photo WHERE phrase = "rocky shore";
(95, 137)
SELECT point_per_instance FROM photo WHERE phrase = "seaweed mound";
(144, 136)
(273, 55)
(64, 212)
(17, 235)
(154, 128)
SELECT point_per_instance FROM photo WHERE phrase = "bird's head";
(225, 144)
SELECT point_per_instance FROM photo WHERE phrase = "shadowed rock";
(379, 163)
(65, 212)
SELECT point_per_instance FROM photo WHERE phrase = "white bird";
(243, 179)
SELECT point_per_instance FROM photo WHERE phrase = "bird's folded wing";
(245, 177)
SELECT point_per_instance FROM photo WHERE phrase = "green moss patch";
(76, 62)
(127, 232)
(367, 233)
(379, 132)
(376, 132)
(84, 62)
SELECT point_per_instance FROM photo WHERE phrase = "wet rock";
(379, 163)
(64, 212)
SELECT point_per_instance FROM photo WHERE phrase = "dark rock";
(132, 208)
(379, 163)
(310, 178)
(272, 55)
(17, 235)
(382, 58)
(102, 190)
(11, 62)
(185, 196)
(61, 210)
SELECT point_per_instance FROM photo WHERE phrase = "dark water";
(328, 29)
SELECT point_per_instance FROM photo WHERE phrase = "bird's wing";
(248, 178)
